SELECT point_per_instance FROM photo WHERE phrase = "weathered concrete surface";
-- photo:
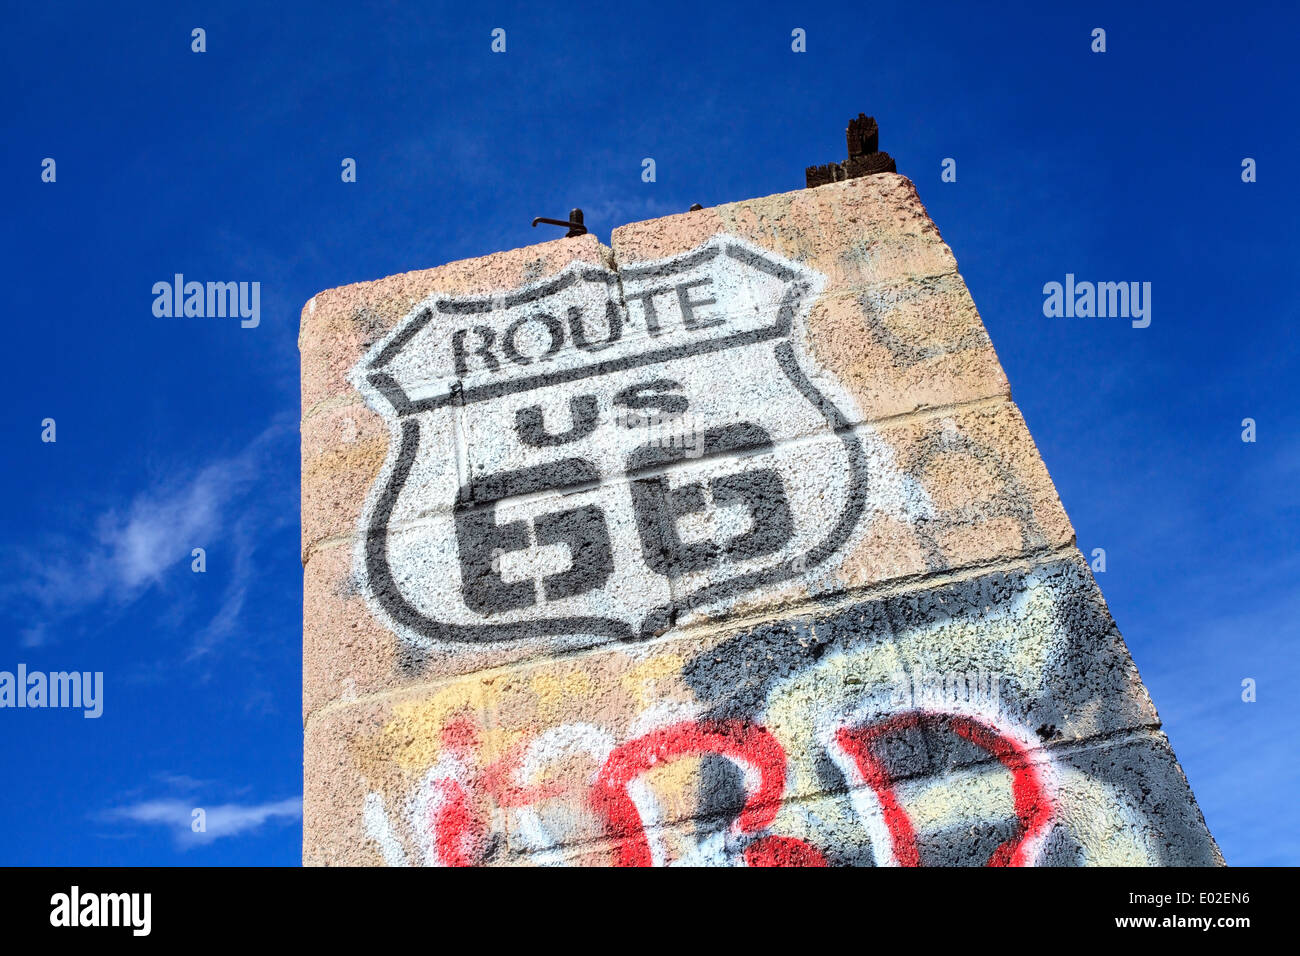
(721, 545)
(986, 498)
(527, 746)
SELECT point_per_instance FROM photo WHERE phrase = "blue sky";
(225, 166)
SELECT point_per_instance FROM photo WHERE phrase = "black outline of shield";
(378, 575)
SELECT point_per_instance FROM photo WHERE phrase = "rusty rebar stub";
(865, 158)
(574, 222)
(863, 135)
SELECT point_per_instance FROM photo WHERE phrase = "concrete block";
(857, 233)
(942, 494)
(949, 697)
(724, 544)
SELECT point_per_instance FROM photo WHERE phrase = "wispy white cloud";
(181, 782)
(226, 621)
(134, 547)
(217, 821)
(33, 636)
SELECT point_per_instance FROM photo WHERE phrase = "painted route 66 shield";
(588, 456)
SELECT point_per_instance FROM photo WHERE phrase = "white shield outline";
(400, 412)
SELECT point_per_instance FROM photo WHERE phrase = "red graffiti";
(458, 816)
(1033, 804)
(458, 821)
(783, 851)
(457, 830)
(746, 744)
(461, 738)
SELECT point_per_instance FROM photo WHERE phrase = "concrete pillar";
(722, 544)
